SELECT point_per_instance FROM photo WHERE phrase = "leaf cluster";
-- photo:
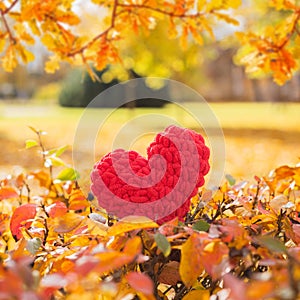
(240, 241)
(272, 49)
(55, 24)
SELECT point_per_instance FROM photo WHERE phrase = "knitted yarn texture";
(161, 186)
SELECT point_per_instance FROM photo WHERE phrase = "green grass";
(258, 136)
(231, 115)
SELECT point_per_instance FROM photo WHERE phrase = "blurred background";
(260, 119)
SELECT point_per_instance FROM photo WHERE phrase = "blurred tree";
(79, 90)
(271, 49)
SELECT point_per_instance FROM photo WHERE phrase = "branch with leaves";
(271, 50)
(54, 22)
(275, 50)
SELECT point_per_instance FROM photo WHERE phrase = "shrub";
(79, 90)
(72, 93)
(240, 242)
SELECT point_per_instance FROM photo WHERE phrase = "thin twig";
(161, 11)
(11, 37)
(102, 34)
(8, 9)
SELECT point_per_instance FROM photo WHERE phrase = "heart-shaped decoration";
(159, 187)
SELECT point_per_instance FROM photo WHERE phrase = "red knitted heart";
(126, 183)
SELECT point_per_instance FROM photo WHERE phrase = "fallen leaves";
(66, 223)
(242, 243)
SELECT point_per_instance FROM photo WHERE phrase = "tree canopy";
(269, 49)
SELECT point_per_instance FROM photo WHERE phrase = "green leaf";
(231, 180)
(31, 143)
(55, 161)
(201, 225)
(272, 244)
(68, 174)
(57, 151)
(33, 245)
(163, 244)
(61, 150)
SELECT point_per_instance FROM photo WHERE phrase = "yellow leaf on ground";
(197, 295)
(130, 223)
(191, 265)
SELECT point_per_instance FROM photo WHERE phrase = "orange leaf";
(7, 192)
(21, 217)
(259, 289)
(57, 209)
(284, 172)
(77, 200)
(133, 246)
(172, 31)
(215, 259)
(113, 260)
(183, 38)
(191, 265)
(197, 295)
(43, 177)
(169, 273)
(67, 223)
(20, 180)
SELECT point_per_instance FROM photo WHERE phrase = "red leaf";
(140, 282)
(86, 264)
(237, 287)
(56, 209)
(20, 217)
(7, 192)
(296, 230)
(215, 259)
(11, 284)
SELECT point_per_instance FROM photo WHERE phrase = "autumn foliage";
(270, 49)
(240, 241)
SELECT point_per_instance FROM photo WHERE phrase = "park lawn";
(258, 136)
